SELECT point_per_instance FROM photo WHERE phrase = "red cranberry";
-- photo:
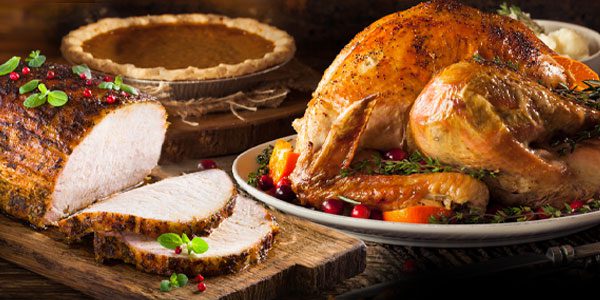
(541, 213)
(206, 164)
(360, 211)
(178, 250)
(25, 70)
(395, 154)
(376, 215)
(284, 181)
(87, 93)
(110, 99)
(14, 76)
(576, 205)
(107, 78)
(89, 82)
(333, 206)
(50, 74)
(271, 191)
(265, 182)
(409, 265)
(199, 278)
(124, 94)
(82, 76)
(284, 192)
(201, 287)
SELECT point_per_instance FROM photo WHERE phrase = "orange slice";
(415, 214)
(579, 70)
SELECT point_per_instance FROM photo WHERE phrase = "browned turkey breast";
(241, 240)
(192, 203)
(57, 160)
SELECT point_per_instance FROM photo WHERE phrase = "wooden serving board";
(306, 258)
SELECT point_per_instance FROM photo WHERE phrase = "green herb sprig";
(172, 241)
(10, 65)
(174, 281)
(514, 214)
(55, 98)
(568, 144)
(263, 166)
(516, 13)
(416, 163)
(589, 96)
(82, 69)
(117, 85)
(496, 61)
(35, 59)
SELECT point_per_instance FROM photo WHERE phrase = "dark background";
(321, 27)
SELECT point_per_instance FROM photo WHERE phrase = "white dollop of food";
(566, 42)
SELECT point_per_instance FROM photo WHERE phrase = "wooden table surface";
(385, 263)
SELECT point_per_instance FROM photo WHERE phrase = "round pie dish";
(190, 49)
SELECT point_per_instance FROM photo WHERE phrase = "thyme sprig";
(496, 61)
(415, 163)
(515, 214)
(263, 166)
(568, 144)
(589, 96)
(516, 13)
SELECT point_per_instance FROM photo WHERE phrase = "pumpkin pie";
(178, 47)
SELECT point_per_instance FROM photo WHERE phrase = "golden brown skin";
(489, 117)
(35, 143)
(317, 174)
(395, 58)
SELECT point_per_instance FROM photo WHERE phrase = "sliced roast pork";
(192, 203)
(241, 240)
(57, 160)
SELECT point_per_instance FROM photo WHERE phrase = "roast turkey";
(58, 160)
(193, 204)
(499, 118)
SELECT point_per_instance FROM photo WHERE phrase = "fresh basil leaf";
(57, 98)
(78, 69)
(165, 286)
(118, 80)
(129, 89)
(28, 87)
(10, 65)
(169, 240)
(199, 245)
(35, 60)
(106, 85)
(43, 89)
(185, 238)
(182, 280)
(34, 100)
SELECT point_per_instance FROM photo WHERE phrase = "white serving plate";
(422, 235)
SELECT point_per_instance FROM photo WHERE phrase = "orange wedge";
(415, 214)
(579, 70)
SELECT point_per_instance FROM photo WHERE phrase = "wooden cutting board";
(306, 258)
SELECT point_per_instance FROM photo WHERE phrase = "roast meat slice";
(241, 240)
(57, 160)
(193, 203)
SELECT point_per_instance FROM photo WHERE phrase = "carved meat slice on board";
(241, 240)
(193, 203)
(57, 160)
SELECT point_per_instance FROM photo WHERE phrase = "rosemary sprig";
(415, 163)
(568, 144)
(516, 13)
(263, 166)
(589, 96)
(514, 214)
(497, 61)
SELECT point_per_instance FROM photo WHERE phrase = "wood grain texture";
(306, 258)
(224, 133)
